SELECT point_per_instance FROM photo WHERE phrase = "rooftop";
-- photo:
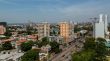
(12, 55)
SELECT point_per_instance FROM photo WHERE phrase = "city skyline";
(21, 11)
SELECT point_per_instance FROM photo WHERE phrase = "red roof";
(22, 40)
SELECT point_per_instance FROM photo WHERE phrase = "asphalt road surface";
(66, 54)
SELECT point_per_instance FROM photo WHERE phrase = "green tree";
(1, 49)
(97, 47)
(45, 41)
(86, 55)
(88, 27)
(31, 55)
(21, 32)
(26, 46)
(8, 34)
(55, 47)
(100, 49)
(7, 46)
(31, 30)
(38, 43)
(89, 43)
(76, 29)
(31, 43)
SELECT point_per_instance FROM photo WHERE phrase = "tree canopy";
(7, 46)
(86, 55)
(7, 34)
(31, 55)
(100, 49)
(94, 50)
(89, 43)
(55, 47)
(43, 42)
(26, 46)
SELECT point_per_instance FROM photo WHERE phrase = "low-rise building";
(12, 55)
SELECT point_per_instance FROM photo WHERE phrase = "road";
(66, 54)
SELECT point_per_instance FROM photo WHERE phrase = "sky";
(22, 11)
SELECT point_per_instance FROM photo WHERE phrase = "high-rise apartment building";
(65, 30)
(43, 30)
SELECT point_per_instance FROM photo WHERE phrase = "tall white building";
(106, 24)
(101, 27)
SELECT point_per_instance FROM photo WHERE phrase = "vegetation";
(55, 47)
(88, 27)
(54, 30)
(1, 49)
(76, 29)
(86, 55)
(8, 34)
(89, 43)
(26, 46)
(31, 55)
(31, 30)
(7, 46)
(94, 50)
(100, 50)
(44, 42)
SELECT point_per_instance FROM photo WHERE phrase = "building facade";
(65, 30)
(101, 28)
(2, 27)
(43, 30)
